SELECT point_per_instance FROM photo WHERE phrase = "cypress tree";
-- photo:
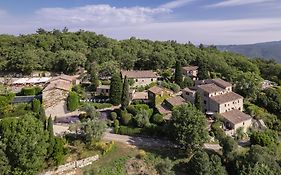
(125, 94)
(42, 116)
(178, 73)
(94, 77)
(72, 101)
(115, 89)
(36, 105)
(198, 101)
(50, 130)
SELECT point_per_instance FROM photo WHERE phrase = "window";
(205, 102)
(243, 123)
(137, 80)
(151, 79)
(225, 105)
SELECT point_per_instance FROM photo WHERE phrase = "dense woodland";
(64, 51)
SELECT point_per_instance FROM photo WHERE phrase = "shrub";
(105, 147)
(265, 138)
(116, 123)
(131, 109)
(157, 118)
(116, 130)
(124, 130)
(38, 90)
(175, 87)
(126, 118)
(72, 101)
(141, 154)
(102, 105)
(36, 104)
(28, 91)
(113, 115)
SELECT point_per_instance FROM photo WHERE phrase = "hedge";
(124, 130)
(72, 101)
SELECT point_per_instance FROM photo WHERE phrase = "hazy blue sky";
(198, 21)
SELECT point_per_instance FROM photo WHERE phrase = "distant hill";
(268, 50)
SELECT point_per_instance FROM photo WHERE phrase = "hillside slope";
(268, 50)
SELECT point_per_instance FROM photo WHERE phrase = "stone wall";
(72, 165)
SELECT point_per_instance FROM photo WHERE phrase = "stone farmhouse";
(190, 71)
(218, 97)
(140, 77)
(55, 93)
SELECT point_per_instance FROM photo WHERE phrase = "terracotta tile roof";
(139, 74)
(163, 109)
(189, 68)
(156, 89)
(63, 77)
(227, 97)
(140, 96)
(210, 88)
(176, 101)
(189, 90)
(58, 84)
(221, 83)
(235, 116)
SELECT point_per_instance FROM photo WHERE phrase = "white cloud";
(231, 3)
(175, 4)
(241, 31)
(101, 15)
(143, 22)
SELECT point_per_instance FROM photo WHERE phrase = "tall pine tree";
(125, 94)
(198, 102)
(178, 73)
(115, 89)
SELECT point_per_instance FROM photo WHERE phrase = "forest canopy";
(63, 51)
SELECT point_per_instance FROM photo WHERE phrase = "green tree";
(50, 130)
(115, 89)
(198, 102)
(94, 77)
(178, 73)
(259, 160)
(187, 82)
(91, 111)
(126, 118)
(228, 145)
(216, 166)
(247, 84)
(189, 127)
(36, 105)
(59, 151)
(265, 138)
(72, 101)
(42, 115)
(92, 130)
(125, 94)
(142, 118)
(203, 72)
(164, 167)
(200, 164)
(26, 144)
